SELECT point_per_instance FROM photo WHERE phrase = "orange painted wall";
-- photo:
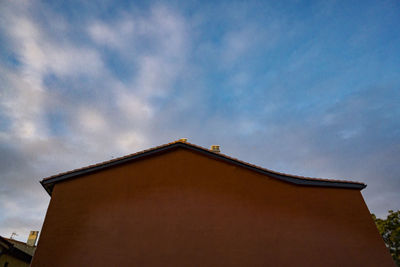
(185, 209)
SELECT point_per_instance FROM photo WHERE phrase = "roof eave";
(48, 183)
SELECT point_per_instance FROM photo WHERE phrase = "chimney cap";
(215, 148)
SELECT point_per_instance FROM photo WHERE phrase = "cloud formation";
(309, 90)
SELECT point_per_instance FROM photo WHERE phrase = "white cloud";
(156, 76)
(112, 35)
(130, 141)
(157, 44)
(133, 106)
(22, 102)
(41, 55)
(91, 120)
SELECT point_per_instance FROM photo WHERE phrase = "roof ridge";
(279, 175)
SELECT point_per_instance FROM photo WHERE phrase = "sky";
(309, 88)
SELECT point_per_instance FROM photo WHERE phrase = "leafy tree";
(389, 228)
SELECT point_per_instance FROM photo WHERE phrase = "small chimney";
(184, 140)
(33, 235)
(215, 148)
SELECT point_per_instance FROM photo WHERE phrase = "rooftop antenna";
(13, 234)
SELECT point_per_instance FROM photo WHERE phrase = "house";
(14, 253)
(180, 204)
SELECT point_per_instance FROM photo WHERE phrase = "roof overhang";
(48, 183)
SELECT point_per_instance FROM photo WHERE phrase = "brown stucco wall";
(185, 209)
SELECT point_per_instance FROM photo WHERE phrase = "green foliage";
(389, 228)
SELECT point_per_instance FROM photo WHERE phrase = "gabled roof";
(49, 182)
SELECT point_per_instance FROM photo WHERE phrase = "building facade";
(184, 205)
(14, 253)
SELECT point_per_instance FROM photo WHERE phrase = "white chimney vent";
(215, 148)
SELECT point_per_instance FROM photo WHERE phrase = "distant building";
(17, 253)
(183, 205)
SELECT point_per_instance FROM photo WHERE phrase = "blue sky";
(305, 87)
